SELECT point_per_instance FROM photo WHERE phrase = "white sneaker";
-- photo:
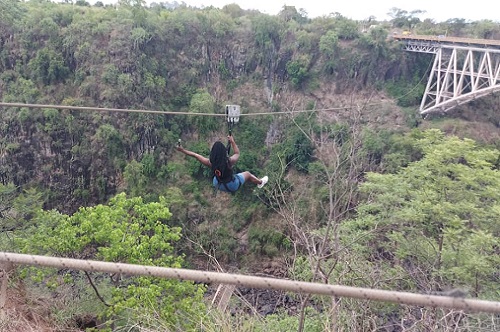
(264, 181)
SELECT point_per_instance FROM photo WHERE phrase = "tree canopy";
(437, 218)
(126, 230)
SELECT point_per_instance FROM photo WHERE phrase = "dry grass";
(25, 312)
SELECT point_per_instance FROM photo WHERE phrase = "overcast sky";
(438, 10)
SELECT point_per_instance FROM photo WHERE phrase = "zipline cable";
(434, 301)
(101, 109)
(105, 109)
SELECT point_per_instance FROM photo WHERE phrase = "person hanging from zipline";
(222, 167)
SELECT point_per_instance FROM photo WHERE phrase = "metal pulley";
(232, 113)
(232, 117)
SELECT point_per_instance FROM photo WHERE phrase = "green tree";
(203, 102)
(346, 29)
(431, 226)
(135, 178)
(328, 43)
(21, 90)
(328, 46)
(402, 19)
(455, 27)
(8, 194)
(297, 70)
(485, 29)
(16, 213)
(10, 15)
(82, 3)
(437, 218)
(289, 13)
(267, 31)
(48, 67)
(127, 230)
(112, 140)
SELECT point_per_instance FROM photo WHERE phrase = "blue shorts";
(232, 186)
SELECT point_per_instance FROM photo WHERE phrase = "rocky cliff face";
(261, 63)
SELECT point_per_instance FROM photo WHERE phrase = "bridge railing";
(426, 300)
(455, 40)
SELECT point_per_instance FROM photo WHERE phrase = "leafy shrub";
(130, 231)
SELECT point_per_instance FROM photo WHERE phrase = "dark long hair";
(220, 162)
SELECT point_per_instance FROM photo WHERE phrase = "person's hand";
(180, 148)
(230, 138)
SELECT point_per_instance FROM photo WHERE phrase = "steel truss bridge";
(464, 69)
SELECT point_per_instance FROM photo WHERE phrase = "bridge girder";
(459, 74)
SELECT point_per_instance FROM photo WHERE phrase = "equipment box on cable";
(233, 113)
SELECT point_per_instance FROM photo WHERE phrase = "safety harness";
(233, 178)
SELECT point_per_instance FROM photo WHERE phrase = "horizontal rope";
(102, 109)
(105, 109)
(257, 282)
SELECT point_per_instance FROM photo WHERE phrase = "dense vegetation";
(365, 194)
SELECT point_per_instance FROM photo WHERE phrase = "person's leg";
(252, 178)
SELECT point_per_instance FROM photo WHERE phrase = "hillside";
(363, 192)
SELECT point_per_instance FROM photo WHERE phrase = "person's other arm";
(203, 160)
(236, 151)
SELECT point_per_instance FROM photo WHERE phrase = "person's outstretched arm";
(203, 160)
(236, 151)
